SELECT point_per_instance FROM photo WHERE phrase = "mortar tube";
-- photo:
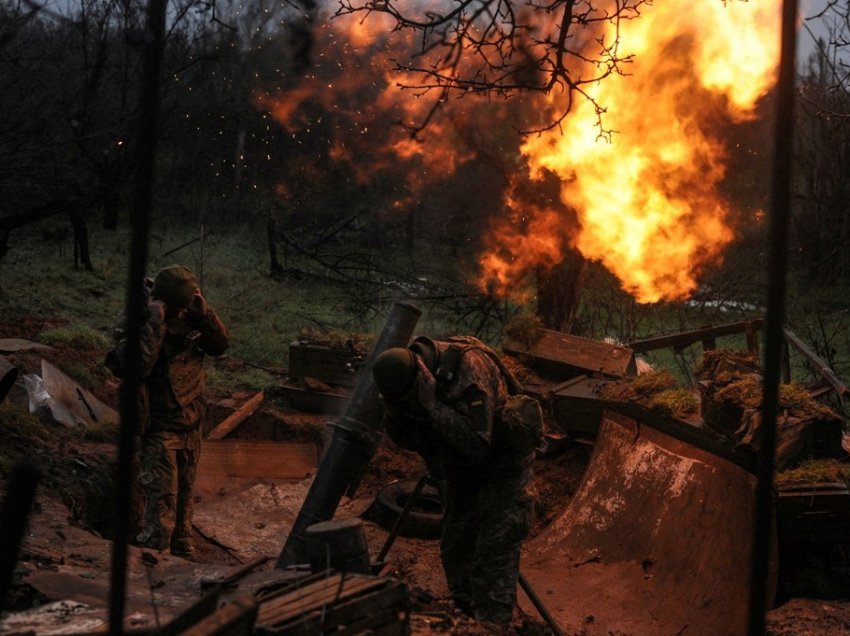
(356, 437)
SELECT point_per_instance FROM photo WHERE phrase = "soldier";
(442, 400)
(180, 329)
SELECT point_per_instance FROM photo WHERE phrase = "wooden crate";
(564, 356)
(333, 366)
(813, 514)
(337, 603)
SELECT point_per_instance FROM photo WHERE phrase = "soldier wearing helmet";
(179, 331)
(442, 399)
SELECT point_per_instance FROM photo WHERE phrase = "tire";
(423, 521)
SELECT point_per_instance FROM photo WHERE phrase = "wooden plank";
(295, 605)
(571, 353)
(277, 589)
(233, 575)
(238, 416)
(194, 614)
(260, 459)
(817, 363)
(300, 601)
(686, 338)
(236, 618)
(298, 591)
(373, 609)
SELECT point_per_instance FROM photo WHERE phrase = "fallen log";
(238, 416)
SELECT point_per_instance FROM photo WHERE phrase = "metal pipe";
(417, 490)
(356, 437)
(145, 165)
(774, 320)
(541, 607)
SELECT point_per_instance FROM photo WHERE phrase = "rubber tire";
(423, 521)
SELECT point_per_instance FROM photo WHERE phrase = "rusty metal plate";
(656, 540)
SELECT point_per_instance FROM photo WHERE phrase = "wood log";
(238, 416)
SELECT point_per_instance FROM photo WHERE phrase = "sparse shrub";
(653, 382)
(525, 329)
(100, 432)
(19, 430)
(224, 381)
(815, 470)
(718, 363)
(17, 421)
(76, 336)
(678, 402)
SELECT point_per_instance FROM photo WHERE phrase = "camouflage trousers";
(167, 467)
(483, 528)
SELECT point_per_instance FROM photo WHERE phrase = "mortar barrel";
(356, 436)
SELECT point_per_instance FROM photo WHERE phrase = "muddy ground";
(65, 561)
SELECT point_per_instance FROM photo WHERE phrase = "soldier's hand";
(156, 310)
(426, 386)
(199, 305)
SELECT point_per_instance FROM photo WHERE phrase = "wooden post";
(238, 416)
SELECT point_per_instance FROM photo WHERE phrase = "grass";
(78, 308)
(223, 381)
(80, 337)
(19, 430)
(264, 314)
(815, 470)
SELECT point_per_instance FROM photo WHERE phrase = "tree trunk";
(81, 240)
(271, 230)
(32, 215)
(559, 291)
(110, 196)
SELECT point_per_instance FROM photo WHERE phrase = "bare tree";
(822, 219)
(499, 47)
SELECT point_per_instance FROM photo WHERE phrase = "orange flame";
(352, 78)
(647, 197)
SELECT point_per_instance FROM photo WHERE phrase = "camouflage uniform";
(172, 367)
(487, 492)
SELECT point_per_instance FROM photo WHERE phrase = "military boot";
(182, 548)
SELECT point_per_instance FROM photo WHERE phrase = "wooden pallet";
(338, 603)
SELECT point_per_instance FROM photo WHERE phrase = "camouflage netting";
(520, 371)
(656, 389)
(815, 471)
(730, 383)
(336, 339)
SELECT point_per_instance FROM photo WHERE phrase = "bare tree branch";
(499, 47)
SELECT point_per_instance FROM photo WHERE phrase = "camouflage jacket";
(456, 434)
(172, 367)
